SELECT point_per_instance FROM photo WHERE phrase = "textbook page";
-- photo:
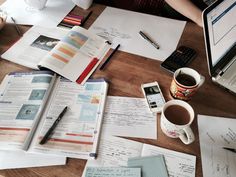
(22, 99)
(21, 159)
(122, 27)
(130, 117)
(214, 134)
(50, 16)
(76, 55)
(34, 45)
(115, 151)
(78, 132)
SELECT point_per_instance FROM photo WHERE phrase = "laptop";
(219, 24)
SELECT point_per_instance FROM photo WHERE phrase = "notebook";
(220, 41)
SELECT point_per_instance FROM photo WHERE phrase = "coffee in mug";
(185, 83)
(176, 118)
(177, 115)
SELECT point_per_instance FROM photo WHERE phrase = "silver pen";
(16, 26)
(149, 40)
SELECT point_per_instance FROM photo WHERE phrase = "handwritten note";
(114, 25)
(215, 133)
(130, 117)
(115, 152)
(177, 163)
(112, 172)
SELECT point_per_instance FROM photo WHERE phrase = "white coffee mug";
(37, 4)
(176, 118)
(85, 4)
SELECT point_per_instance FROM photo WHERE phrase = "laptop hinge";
(221, 72)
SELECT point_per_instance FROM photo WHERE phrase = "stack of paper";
(214, 134)
(150, 165)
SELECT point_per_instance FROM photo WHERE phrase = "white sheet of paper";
(20, 159)
(122, 26)
(130, 117)
(50, 16)
(215, 133)
(115, 151)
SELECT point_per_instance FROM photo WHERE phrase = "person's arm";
(188, 9)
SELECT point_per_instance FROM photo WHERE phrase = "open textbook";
(74, 53)
(31, 102)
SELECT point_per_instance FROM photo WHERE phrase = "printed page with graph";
(77, 55)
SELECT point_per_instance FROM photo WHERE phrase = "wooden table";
(126, 72)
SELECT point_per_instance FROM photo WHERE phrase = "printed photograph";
(45, 43)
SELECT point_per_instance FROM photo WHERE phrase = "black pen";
(16, 26)
(230, 149)
(50, 130)
(149, 40)
(109, 58)
(86, 18)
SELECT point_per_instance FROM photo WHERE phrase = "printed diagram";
(37, 94)
(28, 112)
(75, 39)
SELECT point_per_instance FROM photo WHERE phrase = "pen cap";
(84, 4)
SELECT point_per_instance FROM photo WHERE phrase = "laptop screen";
(220, 29)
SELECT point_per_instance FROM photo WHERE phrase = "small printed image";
(42, 79)
(75, 39)
(88, 112)
(28, 112)
(84, 98)
(93, 87)
(37, 94)
(88, 99)
(45, 43)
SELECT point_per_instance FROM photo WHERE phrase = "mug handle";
(187, 136)
(202, 80)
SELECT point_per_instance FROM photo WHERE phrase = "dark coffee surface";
(186, 80)
(177, 115)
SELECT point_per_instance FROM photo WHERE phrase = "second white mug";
(176, 118)
(85, 4)
(37, 4)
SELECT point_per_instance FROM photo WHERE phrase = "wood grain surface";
(126, 72)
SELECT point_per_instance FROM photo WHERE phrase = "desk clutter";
(47, 116)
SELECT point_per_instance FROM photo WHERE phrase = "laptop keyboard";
(229, 78)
